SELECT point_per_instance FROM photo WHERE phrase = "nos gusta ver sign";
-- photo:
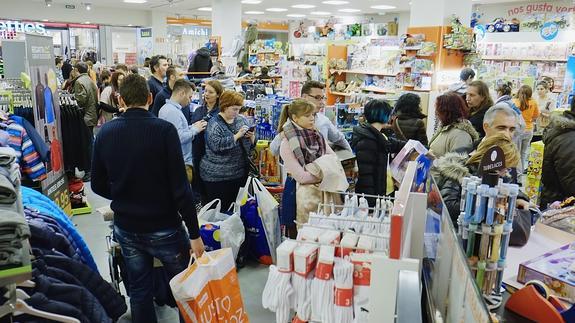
(22, 27)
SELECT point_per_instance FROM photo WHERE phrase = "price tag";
(58, 192)
(269, 90)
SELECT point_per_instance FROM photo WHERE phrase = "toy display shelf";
(340, 93)
(377, 90)
(537, 59)
(332, 71)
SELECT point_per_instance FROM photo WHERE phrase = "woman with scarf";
(301, 145)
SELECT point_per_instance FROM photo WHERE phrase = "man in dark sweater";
(158, 67)
(172, 74)
(131, 153)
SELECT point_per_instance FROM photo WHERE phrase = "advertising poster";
(39, 52)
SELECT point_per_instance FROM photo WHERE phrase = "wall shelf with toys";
(533, 59)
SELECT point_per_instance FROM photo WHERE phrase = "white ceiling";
(188, 8)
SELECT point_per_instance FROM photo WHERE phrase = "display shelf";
(377, 90)
(82, 210)
(332, 71)
(264, 52)
(15, 275)
(502, 58)
(340, 93)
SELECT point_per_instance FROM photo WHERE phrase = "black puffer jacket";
(448, 172)
(558, 170)
(372, 150)
(476, 120)
(202, 62)
(112, 302)
(410, 127)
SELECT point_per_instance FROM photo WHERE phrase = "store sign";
(22, 27)
(145, 32)
(549, 30)
(196, 31)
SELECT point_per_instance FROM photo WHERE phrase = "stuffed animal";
(340, 86)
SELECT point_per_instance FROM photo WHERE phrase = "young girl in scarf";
(301, 145)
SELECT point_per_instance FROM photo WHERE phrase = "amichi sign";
(22, 27)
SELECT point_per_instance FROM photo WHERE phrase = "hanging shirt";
(26, 155)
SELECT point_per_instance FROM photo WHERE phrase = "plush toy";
(340, 86)
(341, 64)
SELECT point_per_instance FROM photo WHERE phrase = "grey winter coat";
(456, 137)
(86, 93)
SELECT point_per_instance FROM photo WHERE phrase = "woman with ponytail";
(530, 112)
(301, 145)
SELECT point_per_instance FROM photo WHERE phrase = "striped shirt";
(26, 155)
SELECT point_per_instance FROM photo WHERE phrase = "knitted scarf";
(306, 144)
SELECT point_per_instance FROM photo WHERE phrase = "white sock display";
(278, 294)
(343, 277)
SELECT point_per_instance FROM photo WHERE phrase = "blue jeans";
(170, 246)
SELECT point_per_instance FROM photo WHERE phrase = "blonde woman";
(530, 111)
(301, 145)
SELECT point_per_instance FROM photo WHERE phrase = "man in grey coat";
(86, 94)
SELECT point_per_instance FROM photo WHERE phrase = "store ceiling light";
(349, 10)
(295, 15)
(321, 13)
(254, 12)
(335, 2)
(276, 9)
(135, 1)
(303, 6)
(88, 6)
(205, 9)
(251, 1)
(48, 3)
(383, 7)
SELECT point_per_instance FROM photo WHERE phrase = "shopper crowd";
(147, 133)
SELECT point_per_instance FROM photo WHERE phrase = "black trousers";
(227, 191)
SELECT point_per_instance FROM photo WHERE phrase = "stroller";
(119, 273)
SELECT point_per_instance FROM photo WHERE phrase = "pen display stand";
(487, 209)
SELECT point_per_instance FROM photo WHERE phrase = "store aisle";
(94, 230)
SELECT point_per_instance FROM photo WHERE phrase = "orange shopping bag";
(209, 291)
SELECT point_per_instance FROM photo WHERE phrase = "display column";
(435, 26)
(226, 21)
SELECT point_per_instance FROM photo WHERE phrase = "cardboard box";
(285, 259)
(553, 269)
(305, 257)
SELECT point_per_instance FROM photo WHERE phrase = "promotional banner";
(39, 52)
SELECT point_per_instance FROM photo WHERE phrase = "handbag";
(398, 128)
(521, 228)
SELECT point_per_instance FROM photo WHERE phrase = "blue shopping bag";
(256, 239)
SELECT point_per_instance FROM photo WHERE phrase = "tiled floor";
(94, 230)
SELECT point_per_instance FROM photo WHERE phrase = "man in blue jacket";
(131, 153)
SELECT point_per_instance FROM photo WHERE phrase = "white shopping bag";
(228, 230)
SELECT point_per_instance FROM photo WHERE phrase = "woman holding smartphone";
(224, 168)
